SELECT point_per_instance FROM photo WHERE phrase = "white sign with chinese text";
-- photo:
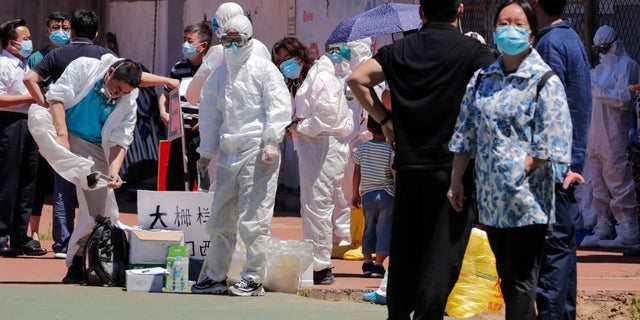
(178, 210)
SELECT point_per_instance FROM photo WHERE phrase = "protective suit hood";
(240, 23)
(605, 34)
(227, 11)
(360, 51)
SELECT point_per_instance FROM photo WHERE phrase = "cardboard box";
(152, 247)
(144, 280)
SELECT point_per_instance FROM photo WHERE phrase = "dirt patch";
(600, 305)
(612, 305)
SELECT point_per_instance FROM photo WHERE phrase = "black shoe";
(74, 272)
(324, 276)
(33, 248)
(8, 252)
(92, 179)
(378, 271)
(367, 269)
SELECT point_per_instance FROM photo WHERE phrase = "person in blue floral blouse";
(515, 131)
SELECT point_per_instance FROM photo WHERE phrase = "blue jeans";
(378, 210)
(557, 286)
(64, 212)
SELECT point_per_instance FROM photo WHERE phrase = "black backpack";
(106, 255)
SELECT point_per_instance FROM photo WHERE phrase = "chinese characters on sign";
(176, 210)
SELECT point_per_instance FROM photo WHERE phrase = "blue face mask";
(59, 38)
(512, 40)
(291, 69)
(26, 48)
(345, 52)
(189, 50)
(335, 57)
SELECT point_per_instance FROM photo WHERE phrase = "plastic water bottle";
(178, 274)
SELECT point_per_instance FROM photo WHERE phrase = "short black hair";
(373, 126)
(554, 8)
(440, 10)
(56, 16)
(84, 23)
(203, 29)
(8, 31)
(529, 12)
(128, 71)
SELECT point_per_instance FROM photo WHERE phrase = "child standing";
(374, 189)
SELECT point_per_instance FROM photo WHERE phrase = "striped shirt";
(185, 69)
(374, 158)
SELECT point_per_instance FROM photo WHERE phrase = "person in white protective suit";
(322, 123)
(244, 110)
(346, 58)
(88, 128)
(215, 56)
(613, 189)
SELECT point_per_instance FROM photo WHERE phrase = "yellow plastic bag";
(478, 286)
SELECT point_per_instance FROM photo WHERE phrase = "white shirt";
(12, 72)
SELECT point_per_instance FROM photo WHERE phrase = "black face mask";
(603, 48)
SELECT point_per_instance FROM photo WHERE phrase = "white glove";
(270, 154)
(203, 164)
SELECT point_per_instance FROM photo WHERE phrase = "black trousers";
(519, 253)
(428, 241)
(18, 170)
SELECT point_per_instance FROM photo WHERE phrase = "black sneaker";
(324, 276)
(378, 271)
(209, 286)
(367, 269)
(247, 288)
(74, 272)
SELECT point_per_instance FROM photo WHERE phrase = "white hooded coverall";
(215, 56)
(613, 186)
(360, 52)
(325, 122)
(245, 107)
(74, 84)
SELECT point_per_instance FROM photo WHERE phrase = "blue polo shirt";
(88, 116)
(54, 63)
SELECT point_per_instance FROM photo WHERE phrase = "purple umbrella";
(383, 19)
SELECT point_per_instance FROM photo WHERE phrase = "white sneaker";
(247, 288)
(59, 255)
(207, 285)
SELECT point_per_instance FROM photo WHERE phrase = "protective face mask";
(291, 68)
(59, 38)
(345, 52)
(335, 57)
(189, 50)
(27, 48)
(512, 40)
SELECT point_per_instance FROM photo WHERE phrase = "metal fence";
(586, 17)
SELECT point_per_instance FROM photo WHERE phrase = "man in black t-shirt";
(197, 39)
(427, 73)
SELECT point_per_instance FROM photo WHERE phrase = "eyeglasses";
(334, 50)
(603, 48)
(238, 39)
